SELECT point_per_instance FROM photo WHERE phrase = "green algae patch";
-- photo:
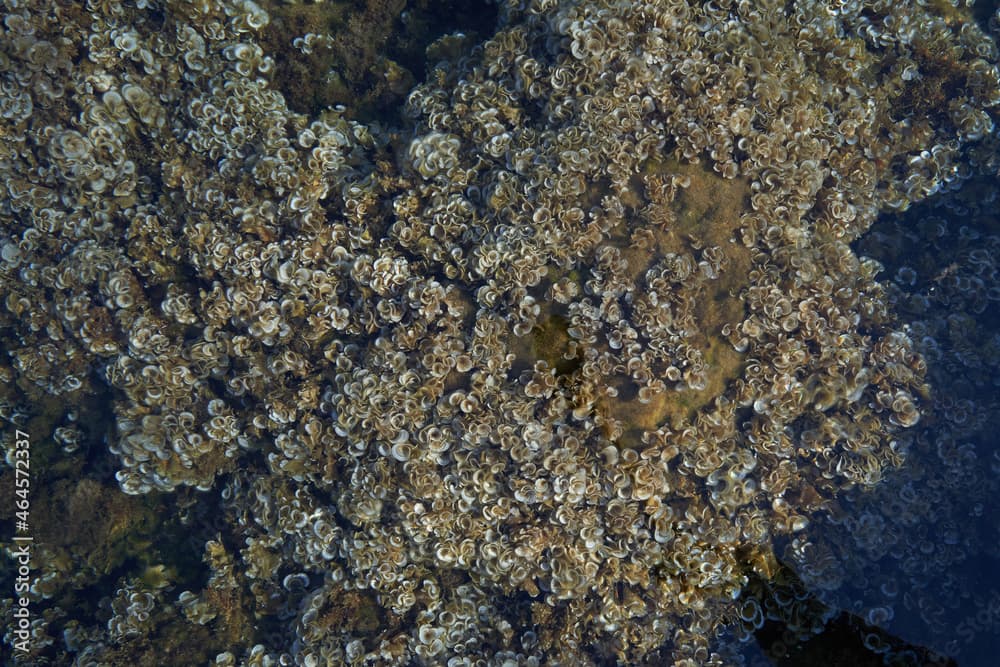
(355, 611)
(707, 213)
(172, 642)
(701, 209)
(548, 341)
(672, 209)
(98, 524)
(703, 212)
(725, 365)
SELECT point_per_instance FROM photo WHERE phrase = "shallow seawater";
(296, 390)
(906, 572)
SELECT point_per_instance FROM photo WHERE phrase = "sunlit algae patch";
(534, 376)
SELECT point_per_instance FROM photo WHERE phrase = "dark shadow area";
(805, 632)
(365, 54)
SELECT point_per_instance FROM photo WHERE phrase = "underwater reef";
(344, 337)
